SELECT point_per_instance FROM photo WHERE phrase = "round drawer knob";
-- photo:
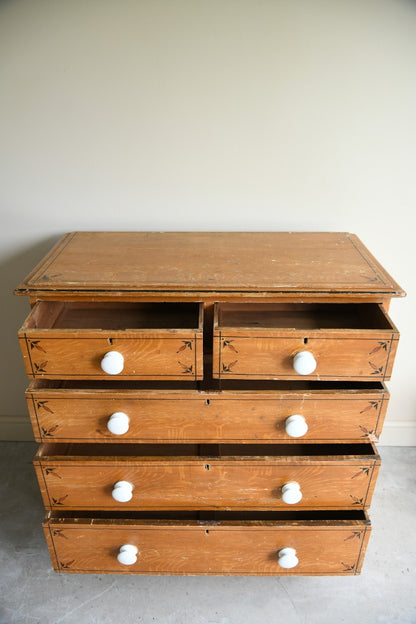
(122, 491)
(291, 493)
(112, 363)
(127, 554)
(304, 363)
(296, 426)
(287, 558)
(118, 423)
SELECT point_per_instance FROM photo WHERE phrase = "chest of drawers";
(208, 403)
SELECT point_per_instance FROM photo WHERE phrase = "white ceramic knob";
(291, 493)
(118, 423)
(296, 426)
(287, 558)
(112, 363)
(304, 363)
(127, 554)
(122, 491)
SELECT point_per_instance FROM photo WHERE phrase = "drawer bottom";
(209, 543)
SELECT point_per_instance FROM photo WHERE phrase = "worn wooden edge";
(271, 332)
(162, 333)
(209, 296)
(42, 389)
(47, 530)
(23, 288)
(198, 376)
(278, 332)
(385, 399)
(196, 507)
(364, 544)
(372, 483)
(26, 355)
(277, 573)
(164, 461)
(33, 414)
(39, 437)
(204, 573)
(375, 264)
(391, 357)
(283, 331)
(43, 488)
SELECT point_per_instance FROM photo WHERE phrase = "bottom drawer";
(224, 543)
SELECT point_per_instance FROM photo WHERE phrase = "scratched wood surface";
(226, 548)
(319, 262)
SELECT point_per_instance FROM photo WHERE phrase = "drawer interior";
(114, 315)
(303, 385)
(261, 452)
(207, 517)
(97, 385)
(213, 386)
(302, 316)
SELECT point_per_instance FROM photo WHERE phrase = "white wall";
(209, 114)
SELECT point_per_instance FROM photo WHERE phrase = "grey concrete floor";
(31, 593)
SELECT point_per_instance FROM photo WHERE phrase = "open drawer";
(206, 477)
(333, 341)
(68, 340)
(224, 543)
(242, 412)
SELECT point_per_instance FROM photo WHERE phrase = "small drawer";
(293, 341)
(268, 412)
(262, 477)
(269, 544)
(67, 340)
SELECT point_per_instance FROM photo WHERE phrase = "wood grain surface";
(208, 324)
(262, 345)
(191, 547)
(319, 262)
(74, 414)
(71, 346)
(71, 477)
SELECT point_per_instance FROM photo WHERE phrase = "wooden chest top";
(321, 263)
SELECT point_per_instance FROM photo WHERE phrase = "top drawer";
(287, 341)
(69, 340)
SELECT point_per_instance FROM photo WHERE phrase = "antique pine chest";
(208, 402)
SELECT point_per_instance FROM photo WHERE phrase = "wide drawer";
(67, 340)
(268, 412)
(318, 476)
(222, 543)
(287, 341)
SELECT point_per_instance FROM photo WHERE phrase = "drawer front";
(294, 341)
(210, 484)
(191, 416)
(188, 548)
(271, 356)
(113, 341)
(145, 357)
